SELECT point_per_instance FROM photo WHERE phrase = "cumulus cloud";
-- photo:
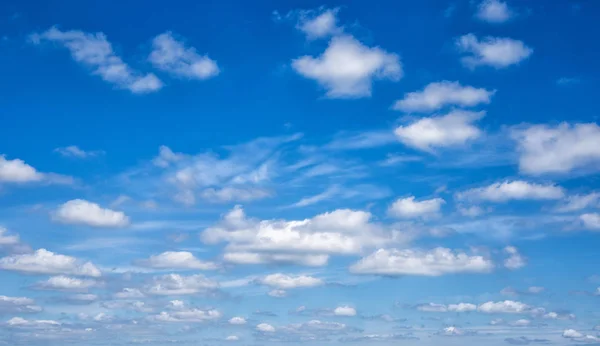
(318, 23)
(187, 316)
(348, 68)
(441, 94)
(6, 239)
(82, 212)
(95, 52)
(265, 328)
(129, 293)
(177, 260)
(409, 208)
(43, 261)
(498, 52)
(590, 221)
(287, 282)
(514, 260)
(16, 171)
(505, 191)
(436, 262)
(450, 130)
(560, 149)
(345, 310)
(306, 242)
(494, 11)
(504, 307)
(174, 57)
(237, 321)
(175, 284)
(579, 202)
(65, 283)
(9, 305)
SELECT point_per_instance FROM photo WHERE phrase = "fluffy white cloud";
(43, 261)
(129, 293)
(94, 51)
(174, 57)
(82, 212)
(18, 305)
(560, 149)
(590, 221)
(17, 171)
(505, 191)
(579, 202)
(436, 262)
(265, 328)
(65, 283)
(514, 259)
(237, 321)
(493, 11)
(440, 94)
(187, 316)
(76, 152)
(348, 68)
(306, 242)
(409, 208)
(6, 239)
(504, 307)
(462, 307)
(232, 338)
(347, 311)
(453, 129)
(318, 24)
(498, 52)
(177, 260)
(174, 284)
(287, 282)
(572, 334)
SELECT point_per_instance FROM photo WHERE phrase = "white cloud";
(409, 208)
(432, 307)
(17, 171)
(65, 283)
(498, 52)
(462, 307)
(94, 51)
(177, 260)
(174, 57)
(504, 307)
(265, 328)
(494, 11)
(590, 221)
(472, 211)
(559, 149)
(306, 242)
(318, 24)
(347, 311)
(232, 338)
(43, 261)
(233, 194)
(521, 323)
(187, 316)
(579, 202)
(505, 191)
(515, 260)
(19, 322)
(440, 94)
(450, 130)
(129, 293)
(174, 284)
(7, 240)
(572, 334)
(287, 282)
(82, 212)
(277, 293)
(436, 262)
(237, 321)
(348, 68)
(18, 305)
(76, 152)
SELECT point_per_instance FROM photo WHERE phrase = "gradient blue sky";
(267, 172)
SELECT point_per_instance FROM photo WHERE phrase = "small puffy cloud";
(440, 94)
(174, 57)
(95, 52)
(17, 171)
(82, 212)
(287, 282)
(65, 283)
(177, 260)
(498, 52)
(187, 316)
(318, 23)
(572, 334)
(129, 293)
(514, 260)
(175, 284)
(265, 328)
(472, 211)
(590, 221)
(432, 307)
(560, 149)
(505, 191)
(237, 321)
(462, 307)
(494, 11)
(348, 68)
(18, 305)
(409, 208)
(521, 323)
(347, 311)
(504, 307)
(6, 239)
(76, 152)
(43, 261)
(579, 202)
(232, 338)
(450, 130)
(436, 262)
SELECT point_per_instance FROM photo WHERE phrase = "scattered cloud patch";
(441, 94)
(82, 212)
(287, 282)
(177, 260)
(494, 11)
(43, 261)
(175, 284)
(319, 23)
(502, 192)
(74, 151)
(497, 52)
(409, 208)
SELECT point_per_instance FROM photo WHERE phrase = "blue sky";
(265, 173)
